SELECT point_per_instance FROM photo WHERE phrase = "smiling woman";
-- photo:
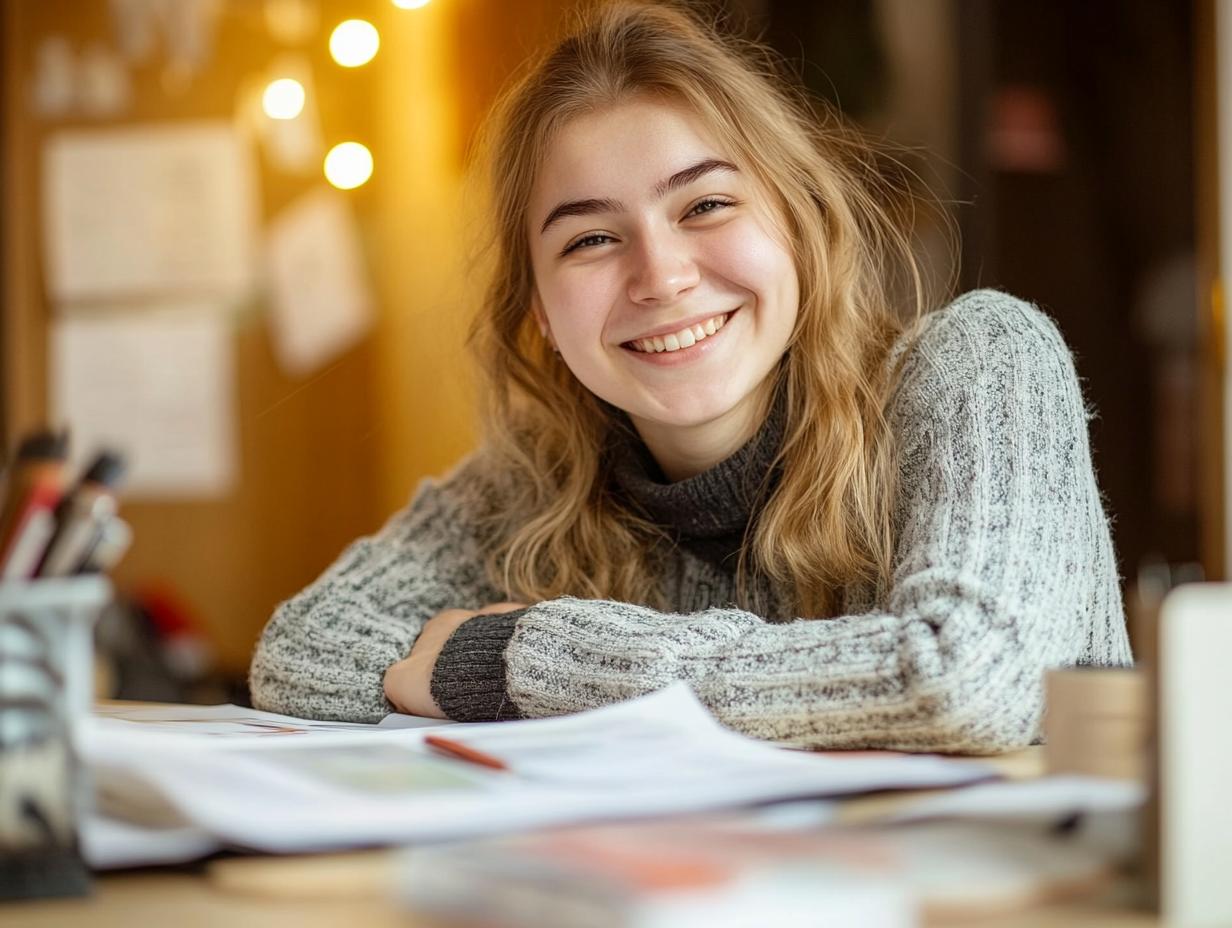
(658, 267)
(726, 440)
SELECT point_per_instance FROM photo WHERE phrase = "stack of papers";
(173, 786)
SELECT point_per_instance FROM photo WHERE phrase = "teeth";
(685, 338)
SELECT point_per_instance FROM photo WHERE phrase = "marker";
(116, 537)
(82, 515)
(27, 521)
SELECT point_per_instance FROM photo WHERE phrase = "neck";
(686, 451)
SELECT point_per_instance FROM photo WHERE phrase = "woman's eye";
(709, 202)
(582, 241)
(598, 238)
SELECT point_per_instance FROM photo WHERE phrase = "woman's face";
(660, 271)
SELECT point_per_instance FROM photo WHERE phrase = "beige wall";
(445, 67)
(327, 456)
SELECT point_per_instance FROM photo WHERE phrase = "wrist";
(408, 689)
(469, 680)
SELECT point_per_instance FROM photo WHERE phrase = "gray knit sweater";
(1003, 567)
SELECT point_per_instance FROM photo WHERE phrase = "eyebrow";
(662, 188)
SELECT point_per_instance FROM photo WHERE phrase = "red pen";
(27, 521)
(459, 751)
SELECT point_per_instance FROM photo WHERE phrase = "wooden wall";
(325, 457)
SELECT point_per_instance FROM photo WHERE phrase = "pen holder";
(46, 689)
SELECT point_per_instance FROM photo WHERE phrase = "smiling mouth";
(684, 338)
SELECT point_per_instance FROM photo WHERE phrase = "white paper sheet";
(157, 386)
(1046, 799)
(660, 754)
(229, 721)
(107, 844)
(320, 299)
(162, 209)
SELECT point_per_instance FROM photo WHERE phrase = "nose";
(664, 269)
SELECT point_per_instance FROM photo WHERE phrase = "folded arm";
(1004, 568)
(324, 653)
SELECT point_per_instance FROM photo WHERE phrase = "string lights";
(352, 44)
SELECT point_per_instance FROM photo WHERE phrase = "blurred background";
(236, 244)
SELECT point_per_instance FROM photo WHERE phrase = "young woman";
(718, 447)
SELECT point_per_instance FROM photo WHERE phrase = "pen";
(459, 751)
(114, 540)
(82, 516)
(27, 521)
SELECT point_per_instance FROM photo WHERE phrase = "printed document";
(659, 754)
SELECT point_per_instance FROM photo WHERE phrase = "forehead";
(624, 149)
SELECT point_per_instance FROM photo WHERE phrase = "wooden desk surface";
(329, 890)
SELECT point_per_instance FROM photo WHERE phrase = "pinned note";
(321, 304)
(157, 385)
(157, 210)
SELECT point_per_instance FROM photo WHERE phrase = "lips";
(680, 335)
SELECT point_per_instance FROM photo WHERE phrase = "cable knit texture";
(1003, 568)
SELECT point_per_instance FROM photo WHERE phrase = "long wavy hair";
(848, 212)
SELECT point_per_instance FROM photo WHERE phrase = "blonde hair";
(827, 522)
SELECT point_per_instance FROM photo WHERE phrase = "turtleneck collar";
(707, 513)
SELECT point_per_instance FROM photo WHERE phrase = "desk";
(343, 889)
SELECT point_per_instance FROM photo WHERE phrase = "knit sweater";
(1003, 567)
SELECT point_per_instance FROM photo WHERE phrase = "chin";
(688, 413)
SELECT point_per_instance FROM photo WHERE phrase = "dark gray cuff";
(468, 682)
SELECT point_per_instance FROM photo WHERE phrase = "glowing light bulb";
(283, 98)
(348, 165)
(410, 4)
(354, 42)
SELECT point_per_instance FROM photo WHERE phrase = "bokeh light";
(283, 98)
(354, 42)
(348, 165)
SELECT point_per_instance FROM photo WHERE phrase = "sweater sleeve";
(324, 653)
(1003, 568)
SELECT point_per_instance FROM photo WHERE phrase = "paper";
(228, 721)
(157, 386)
(660, 754)
(187, 29)
(53, 91)
(291, 22)
(294, 146)
(107, 844)
(167, 209)
(682, 875)
(320, 300)
(1046, 799)
(104, 88)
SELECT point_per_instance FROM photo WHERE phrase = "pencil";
(459, 751)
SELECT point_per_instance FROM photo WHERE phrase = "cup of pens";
(57, 540)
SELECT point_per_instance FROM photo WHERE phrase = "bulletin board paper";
(157, 210)
(157, 386)
(321, 303)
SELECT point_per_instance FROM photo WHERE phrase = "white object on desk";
(1195, 755)
(659, 754)
(230, 721)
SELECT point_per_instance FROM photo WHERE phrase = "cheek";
(577, 304)
(744, 253)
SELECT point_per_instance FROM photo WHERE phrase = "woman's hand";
(408, 683)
